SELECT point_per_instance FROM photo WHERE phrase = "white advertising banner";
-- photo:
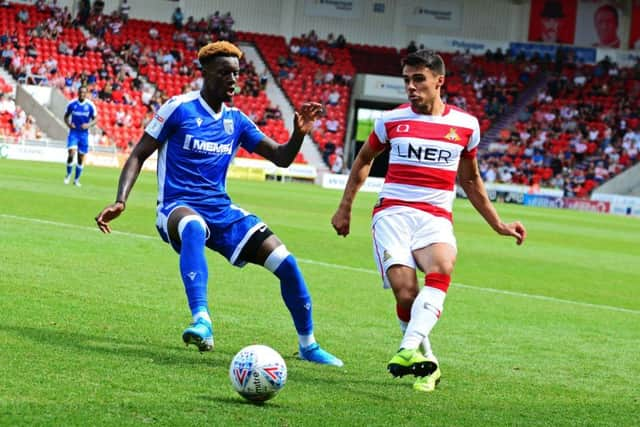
(339, 182)
(350, 9)
(42, 153)
(453, 44)
(33, 153)
(443, 14)
(390, 88)
(620, 205)
(624, 58)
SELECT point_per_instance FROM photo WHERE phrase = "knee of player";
(192, 226)
(278, 257)
(444, 266)
(445, 269)
(406, 295)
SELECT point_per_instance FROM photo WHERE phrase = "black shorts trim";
(250, 249)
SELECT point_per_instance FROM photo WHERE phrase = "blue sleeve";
(68, 110)
(250, 135)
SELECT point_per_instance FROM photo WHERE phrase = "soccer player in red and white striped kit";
(430, 143)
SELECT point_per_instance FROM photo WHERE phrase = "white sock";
(425, 312)
(426, 349)
(403, 326)
(201, 315)
(306, 340)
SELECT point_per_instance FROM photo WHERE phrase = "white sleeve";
(160, 118)
(474, 141)
(380, 130)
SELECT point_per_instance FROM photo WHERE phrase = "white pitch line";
(355, 269)
(490, 290)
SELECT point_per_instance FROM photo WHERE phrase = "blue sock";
(295, 294)
(69, 168)
(78, 171)
(193, 266)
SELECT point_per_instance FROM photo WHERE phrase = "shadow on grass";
(240, 402)
(372, 385)
(164, 355)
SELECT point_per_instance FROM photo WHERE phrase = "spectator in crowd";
(7, 104)
(123, 119)
(177, 17)
(337, 163)
(18, 120)
(64, 49)
(98, 7)
(7, 55)
(328, 150)
(332, 125)
(273, 112)
(334, 97)
(31, 49)
(125, 8)
(22, 16)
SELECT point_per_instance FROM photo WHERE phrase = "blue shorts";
(229, 228)
(78, 139)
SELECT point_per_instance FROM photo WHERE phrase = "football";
(258, 373)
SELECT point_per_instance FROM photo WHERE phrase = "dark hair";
(552, 9)
(608, 8)
(426, 57)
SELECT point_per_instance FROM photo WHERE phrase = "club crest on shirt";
(228, 126)
(452, 135)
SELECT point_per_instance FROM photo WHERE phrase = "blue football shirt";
(197, 147)
(81, 113)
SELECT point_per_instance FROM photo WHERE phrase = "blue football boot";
(314, 353)
(199, 333)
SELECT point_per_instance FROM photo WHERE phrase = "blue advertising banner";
(582, 54)
(543, 201)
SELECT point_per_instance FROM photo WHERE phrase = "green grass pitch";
(90, 324)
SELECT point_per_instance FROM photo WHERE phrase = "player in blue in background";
(197, 136)
(80, 115)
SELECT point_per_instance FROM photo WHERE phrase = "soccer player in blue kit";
(79, 116)
(197, 136)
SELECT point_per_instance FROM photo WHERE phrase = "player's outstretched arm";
(471, 182)
(128, 176)
(283, 154)
(341, 220)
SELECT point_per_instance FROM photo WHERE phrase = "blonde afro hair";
(219, 48)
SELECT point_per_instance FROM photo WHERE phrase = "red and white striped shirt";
(424, 155)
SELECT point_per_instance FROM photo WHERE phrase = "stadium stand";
(559, 125)
(580, 130)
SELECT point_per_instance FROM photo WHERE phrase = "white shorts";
(398, 231)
